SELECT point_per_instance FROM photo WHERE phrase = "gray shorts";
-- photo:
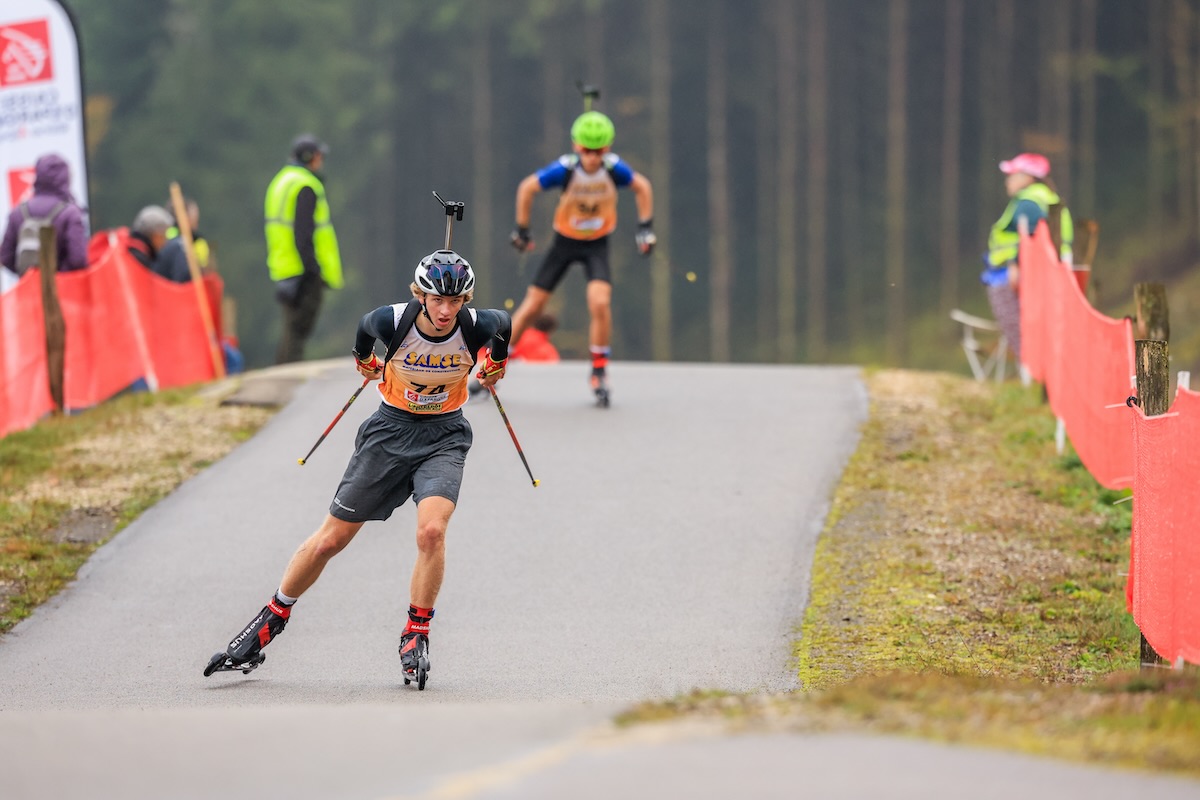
(398, 455)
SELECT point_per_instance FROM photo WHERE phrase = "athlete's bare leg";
(599, 302)
(433, 516)
(312, 556)
(532, 306)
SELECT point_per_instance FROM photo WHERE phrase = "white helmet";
(445, 273)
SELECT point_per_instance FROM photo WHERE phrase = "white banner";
(41, 98)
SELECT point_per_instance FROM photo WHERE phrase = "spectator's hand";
(520, 239)
(491, 371)
(288, 290)
(645, 237)
(370, 367)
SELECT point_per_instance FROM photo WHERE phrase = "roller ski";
(600, 387)
(244, 654)
(221, 662)
(414, 658)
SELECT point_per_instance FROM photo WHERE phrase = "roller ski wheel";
(415, 661)
(221, 662)
(600, 390)
(420, 674)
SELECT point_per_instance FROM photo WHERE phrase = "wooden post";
(229, 318)
(56, 329)
(1087, 238)
(185, 231)
(1154, 396)
(1151, 319)
(1054, 222)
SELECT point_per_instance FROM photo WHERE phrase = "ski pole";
(353, 397)
(516, 444)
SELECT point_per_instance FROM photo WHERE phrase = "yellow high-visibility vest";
(1003, 244)
(279, 209)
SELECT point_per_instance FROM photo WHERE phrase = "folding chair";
(987, 357)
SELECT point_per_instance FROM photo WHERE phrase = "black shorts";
(592, 253)
(398, 455)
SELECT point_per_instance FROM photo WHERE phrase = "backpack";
(29, 241)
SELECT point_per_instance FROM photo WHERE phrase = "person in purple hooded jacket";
(51, 187)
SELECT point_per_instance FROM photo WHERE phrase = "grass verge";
(969, 587)
(69, 483)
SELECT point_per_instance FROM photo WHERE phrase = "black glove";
(645, 237)
(520, 239)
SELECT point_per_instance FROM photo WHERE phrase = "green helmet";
(592, 130)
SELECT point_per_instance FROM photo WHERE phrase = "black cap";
(307, 145)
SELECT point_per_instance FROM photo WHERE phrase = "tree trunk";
(851, 206)
(787, 69)
(719, 218)
(1006, 34)
(951, 134)
(816, 344)
(594, 49)
(998, 139)
(1054, 91)
(897, 153)
(660, 148)
(382, 230)
(1195, 120)
(480, 208)
(1185, 102)
(766, 171)
(1155, 177)
(1084, 198)
(554, 78)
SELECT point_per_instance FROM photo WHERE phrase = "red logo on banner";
(25, 53)
(20, 185)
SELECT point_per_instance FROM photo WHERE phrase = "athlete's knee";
(431, 535)
(599, 304)
(535, 300)
(332, 538)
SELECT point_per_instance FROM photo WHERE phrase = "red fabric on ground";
(24, 376)
(1084, 359)
(1163, 588)
(100, 334)
(534, 345)
(122, 322)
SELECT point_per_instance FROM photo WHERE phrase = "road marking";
(474, 782)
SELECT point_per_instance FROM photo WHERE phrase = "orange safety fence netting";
(1084, 359)
(25, 388)
(122, 323)
(1163, 589)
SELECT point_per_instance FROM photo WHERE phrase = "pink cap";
(1032, 164)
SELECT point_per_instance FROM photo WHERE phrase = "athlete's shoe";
(413, 646)
(262, 629)
(599, 382)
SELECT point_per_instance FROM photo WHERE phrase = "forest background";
(827, 169)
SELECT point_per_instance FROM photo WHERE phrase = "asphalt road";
(667, 548)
